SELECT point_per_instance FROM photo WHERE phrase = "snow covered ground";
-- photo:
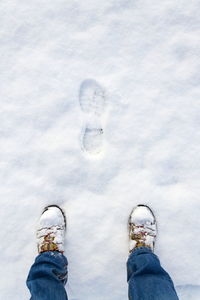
(144, 56)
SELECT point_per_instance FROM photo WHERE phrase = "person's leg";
(48, 274)
(147, 280)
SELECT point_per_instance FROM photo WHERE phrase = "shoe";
(142, 228)
(51, 230)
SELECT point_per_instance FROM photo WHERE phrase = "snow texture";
(145, 56)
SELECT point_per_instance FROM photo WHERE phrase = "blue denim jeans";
(146, 278)
(48, 276)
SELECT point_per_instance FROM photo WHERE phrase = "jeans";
(48, 276)
(147, 280)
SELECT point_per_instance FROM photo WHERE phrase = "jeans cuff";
(54, 255)
(140, 250)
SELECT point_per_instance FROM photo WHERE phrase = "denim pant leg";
(47, 277)
(147, 279)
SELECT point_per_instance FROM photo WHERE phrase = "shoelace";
(50, 238)
(140, 234)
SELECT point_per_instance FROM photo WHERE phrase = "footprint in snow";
(92, 103)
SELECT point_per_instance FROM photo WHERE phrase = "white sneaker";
(51, 229)
(142, 228)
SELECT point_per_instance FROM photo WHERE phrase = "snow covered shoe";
(142, 228)
(51, 230)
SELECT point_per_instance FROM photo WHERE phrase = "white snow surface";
(145, 54)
